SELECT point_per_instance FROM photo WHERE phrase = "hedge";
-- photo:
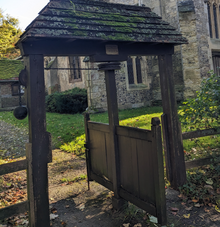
(70, 101)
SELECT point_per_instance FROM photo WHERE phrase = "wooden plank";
(145, 170)
(102, 181)
(111, 92)
(37, 150)
(158, 171)
(98, 152)
(13, 210)
(125, 157)
(166, 146)
(98, 126)
(13, 167)
(135, 133)
(88, 158)
(202, 162)
(174, 131)
(201, 133)
(149, 208)
(65, 47)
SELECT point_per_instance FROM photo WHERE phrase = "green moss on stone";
(80, 33)
(10, 68)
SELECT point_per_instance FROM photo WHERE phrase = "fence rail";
(201, 133)
(13, 167)
(197, 134)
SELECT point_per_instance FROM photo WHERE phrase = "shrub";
(203, 110)
(76, 146)
(70, 101)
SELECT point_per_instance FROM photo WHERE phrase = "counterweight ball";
(20, 112)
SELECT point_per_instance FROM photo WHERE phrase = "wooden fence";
(201, 133)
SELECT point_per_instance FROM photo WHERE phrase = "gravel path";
(12, 140)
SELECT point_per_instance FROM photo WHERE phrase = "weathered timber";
(149, 208)
(102, 181)
(202, 162)
(158, 171)
(166, 146)
(88, 158)
(201, 133)
(13, 167)
(37, 150)
(13, 210)
(94, 48)
(135, 133)
(177, 163)
(98, 126)
(111, 91)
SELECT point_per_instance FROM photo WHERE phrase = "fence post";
(111, 91)
(158, 171)
(177, 163)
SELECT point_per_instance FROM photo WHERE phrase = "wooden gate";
(140, 164)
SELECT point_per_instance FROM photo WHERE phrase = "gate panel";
(99, 149)
(140, 162)
(136, 166)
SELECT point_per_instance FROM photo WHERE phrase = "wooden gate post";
(39, 143)
(158, 171)
(111, 91)
(177, 177)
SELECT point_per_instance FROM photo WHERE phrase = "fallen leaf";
(138, 225)
(208, 187)
(67, 206)
(126, 225)
(217, 208)
(215, 217)
(206, 210)
(197, 205)
(174, 209)
(218, 190)
(188, 208)
(209, 181)
(186, 215)
(195, 200)
(153, 219)
(53, 216)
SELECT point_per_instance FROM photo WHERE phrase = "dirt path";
(72, 205)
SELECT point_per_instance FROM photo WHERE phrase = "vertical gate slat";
(126, 171)
(135, 169)
(145, 165)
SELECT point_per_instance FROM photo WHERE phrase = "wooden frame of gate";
(128, 161)
(66, 28)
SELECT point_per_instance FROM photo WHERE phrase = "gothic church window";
(213, 8)
(75, 72)
(134, 70)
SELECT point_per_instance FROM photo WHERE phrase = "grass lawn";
(68, 130)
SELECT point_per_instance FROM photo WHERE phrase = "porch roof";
(95, 20)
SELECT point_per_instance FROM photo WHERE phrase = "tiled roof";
(96, 20)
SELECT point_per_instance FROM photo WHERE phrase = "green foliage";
(76, 146)
(203, 110)
(9, 35)
(10, 68)
(75, 179)
(70, 101)
(202, 184)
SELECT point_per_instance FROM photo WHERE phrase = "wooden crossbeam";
(13, 167)
(14, 210)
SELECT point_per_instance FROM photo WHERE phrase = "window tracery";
(213, 8)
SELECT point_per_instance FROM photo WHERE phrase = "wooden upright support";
(172, 134)
(39, 144)
(111, 91)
